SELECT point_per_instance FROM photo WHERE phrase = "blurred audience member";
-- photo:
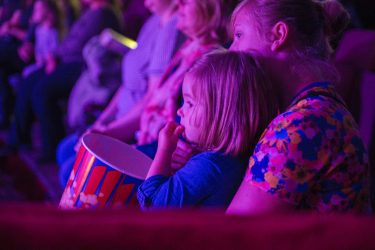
(48, 31)
(42, 92)
(142, 69)
(14, 32)
(206, 25)
(7, 8)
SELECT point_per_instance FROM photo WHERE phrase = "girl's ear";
(279, 35)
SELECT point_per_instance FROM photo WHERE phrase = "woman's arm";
(251, 200)
(18, 33)
(109, 113)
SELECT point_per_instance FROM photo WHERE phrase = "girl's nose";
(233, 47)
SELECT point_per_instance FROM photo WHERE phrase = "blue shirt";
(207, 179)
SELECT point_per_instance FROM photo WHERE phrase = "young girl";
(226, 106)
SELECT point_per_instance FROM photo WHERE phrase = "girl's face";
(187, 17)
(246, 34)
(191, 113)
(158, 7)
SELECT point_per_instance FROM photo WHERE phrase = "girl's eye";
(189, 104)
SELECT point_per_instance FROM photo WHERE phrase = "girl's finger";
(179, 130)
(178, 158)
(176, 165)
(182, 152)
(185, 147)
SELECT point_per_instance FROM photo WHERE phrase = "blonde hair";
(237, 99)
(212, 20)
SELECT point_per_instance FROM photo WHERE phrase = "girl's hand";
(181, 155)
(168, 137)
(167, 144)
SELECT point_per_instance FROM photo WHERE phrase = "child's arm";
(206, 176)
(168, 138)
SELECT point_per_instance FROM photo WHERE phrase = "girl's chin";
(186, 139)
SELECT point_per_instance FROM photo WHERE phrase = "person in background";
(7, 8)
(15, 31)
(47, 87)
(142, 68)
(205, 24)
(226, 107)
(47, 19)
(17, 25)
(311, 156)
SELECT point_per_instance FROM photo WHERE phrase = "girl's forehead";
(242, 16)
(188, 85)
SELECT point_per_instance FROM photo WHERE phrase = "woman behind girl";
(311, 156)
(225, 109)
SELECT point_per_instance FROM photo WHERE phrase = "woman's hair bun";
(336, 17)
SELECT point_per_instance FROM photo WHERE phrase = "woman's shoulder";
(153, 20)
(150, 26)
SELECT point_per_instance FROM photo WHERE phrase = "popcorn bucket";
(106, 173)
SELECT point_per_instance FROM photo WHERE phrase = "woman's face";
(246, 34)
(190, 112)
(187, 17)
(158, 7)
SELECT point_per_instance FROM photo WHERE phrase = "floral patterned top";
(312, 155)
